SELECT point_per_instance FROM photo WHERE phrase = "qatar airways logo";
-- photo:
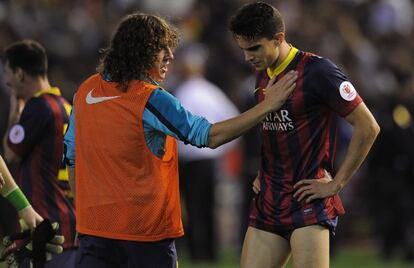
(278, 121)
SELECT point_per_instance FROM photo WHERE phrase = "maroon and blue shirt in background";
(298, 142)
(38, 140)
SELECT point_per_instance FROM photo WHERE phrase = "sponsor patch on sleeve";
(347, 91)
(16, 134)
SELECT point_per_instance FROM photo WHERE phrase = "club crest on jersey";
(16, 134)
(278, 121)
(347, 91)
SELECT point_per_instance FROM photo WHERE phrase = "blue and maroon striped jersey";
(38, 140)
(298, 141)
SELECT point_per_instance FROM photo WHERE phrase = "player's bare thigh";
(264, 250)
(310, 247)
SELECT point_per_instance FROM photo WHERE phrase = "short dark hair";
(257, 20)
(134, 47)
(28, 55)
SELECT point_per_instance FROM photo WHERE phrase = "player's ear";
(279, 38)
(19, 73)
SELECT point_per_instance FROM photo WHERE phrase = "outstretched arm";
(365, 132)
(165, 114)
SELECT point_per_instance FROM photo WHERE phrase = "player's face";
(160, 68)
(13, 80)
(261, 53)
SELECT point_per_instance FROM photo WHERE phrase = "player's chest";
(300, 107)
(302, 100)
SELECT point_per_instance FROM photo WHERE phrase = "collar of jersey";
(52, 90)
(281, 67)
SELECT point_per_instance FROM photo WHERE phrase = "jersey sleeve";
(69, 141)
(164, 113)
(333, 87)
(24, 135)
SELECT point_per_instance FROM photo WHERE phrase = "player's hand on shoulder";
(310, 190)
(277, 93)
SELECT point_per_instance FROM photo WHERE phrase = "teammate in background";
(123, 132)
(36, 139)
(297, 204)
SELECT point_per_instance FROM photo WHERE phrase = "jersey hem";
(275, 229)
(129, 237)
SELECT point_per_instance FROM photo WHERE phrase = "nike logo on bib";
(92, 100)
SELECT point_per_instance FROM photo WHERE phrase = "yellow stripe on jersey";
(63, 174)
(68, 108)
(52, 90)
(283, 65)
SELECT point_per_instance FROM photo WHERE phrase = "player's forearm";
(10, 190)
(9, 183)
(225, 131)
(361, 143)
(9, 155)
(72, 180)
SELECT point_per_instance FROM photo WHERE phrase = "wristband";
(17, 199)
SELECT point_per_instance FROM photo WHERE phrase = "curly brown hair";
(134, 48)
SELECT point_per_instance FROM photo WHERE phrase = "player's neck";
(150, 80)
(38, 84)
(284, 50)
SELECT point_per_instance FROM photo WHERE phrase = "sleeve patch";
(16, 134)
(347, 91)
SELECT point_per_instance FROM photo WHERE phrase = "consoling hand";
(277, 93)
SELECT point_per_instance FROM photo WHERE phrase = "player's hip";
(288, 215)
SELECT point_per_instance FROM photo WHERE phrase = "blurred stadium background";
(372, 41)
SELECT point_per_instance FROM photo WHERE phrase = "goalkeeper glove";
(38, 245)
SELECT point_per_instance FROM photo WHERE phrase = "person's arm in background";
(23, 136)
(16, 108)
(10, 190)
